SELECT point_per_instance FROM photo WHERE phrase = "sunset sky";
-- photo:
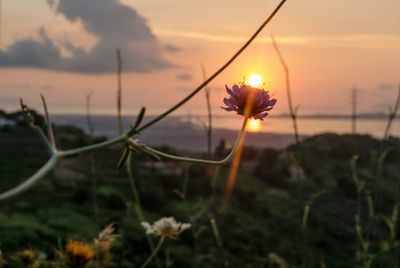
(65, 49)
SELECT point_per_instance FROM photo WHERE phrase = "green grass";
(264, 215)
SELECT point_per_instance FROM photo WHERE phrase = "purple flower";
(258, 100)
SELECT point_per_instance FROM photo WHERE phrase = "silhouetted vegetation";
(264, 216)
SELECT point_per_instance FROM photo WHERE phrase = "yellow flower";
(79, 253)
(27, 256)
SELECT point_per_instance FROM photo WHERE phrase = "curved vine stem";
(50, 164)
(224, 161)
(56, 154)
(93, 146)
(292, 110)
(188, 97)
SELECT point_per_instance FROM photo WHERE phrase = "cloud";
(379, 41)
(115, 26)
(172, 48)
(184, 77)
(31, 53)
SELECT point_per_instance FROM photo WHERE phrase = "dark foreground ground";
(303, 206)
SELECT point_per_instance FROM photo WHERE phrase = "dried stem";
(92, 147)
(354, 110)
(135, 193)
(88, 114)
(227, 159)
(32, 180)
(307, 207)
(91, 157)
(392, 115)
(49, 126)
(25, 109)
(292, 110)
(1, 24)
(209, 126)
(119, 92)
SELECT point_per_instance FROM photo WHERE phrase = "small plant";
(163, 228)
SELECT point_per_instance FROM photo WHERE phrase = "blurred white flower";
(166, 227)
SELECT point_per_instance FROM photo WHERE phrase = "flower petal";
(228, 109)
(230, 102)
(261, 115)
(228, 90)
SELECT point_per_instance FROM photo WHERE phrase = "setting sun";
(254, 125)
(254, 80)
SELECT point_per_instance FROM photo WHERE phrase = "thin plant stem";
(304, 225)
(154, 253)
(392, 115)
(137, 203)
(119, 92)
(183, 194)
(94, 186)
(217, 235)
(292, 110)
(56, 155)
(50, 164)
(48, 123)
(38, 130)
(206, 207)
(378, 177)
(237, 154)
(45, 140)
(1, 24)
(358, 183)
(214, 181)
(92, 147)
(135, 194)
(209, 113)
(132, 183)
(354, 110)
(91, 156)
(185, 181)
(224, 161)
(89, 114)
(305, 234)
(46, 168)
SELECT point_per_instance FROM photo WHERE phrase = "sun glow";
(254, 80)
(254, 125)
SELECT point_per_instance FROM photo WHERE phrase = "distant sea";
(187, 132)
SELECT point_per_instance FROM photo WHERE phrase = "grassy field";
(296, 207)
